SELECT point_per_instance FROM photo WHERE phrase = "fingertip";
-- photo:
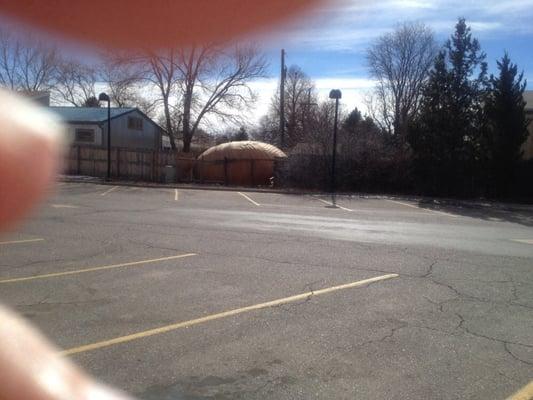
(31, 141)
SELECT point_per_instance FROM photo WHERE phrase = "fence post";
(226, 171)
(152, 172)
(118, 162)
(156, 165)
(78, 161)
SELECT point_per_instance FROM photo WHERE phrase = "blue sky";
(330, 43)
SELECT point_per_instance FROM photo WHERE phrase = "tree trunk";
(168, 124)
(186, 143)
(187, 134)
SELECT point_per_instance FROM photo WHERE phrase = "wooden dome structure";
(244, 163)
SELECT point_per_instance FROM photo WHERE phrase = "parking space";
(200, 294)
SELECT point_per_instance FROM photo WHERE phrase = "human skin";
(31, 144)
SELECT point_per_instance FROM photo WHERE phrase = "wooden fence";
(128, 164)
(166, 166)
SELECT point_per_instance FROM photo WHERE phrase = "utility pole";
(282, 101)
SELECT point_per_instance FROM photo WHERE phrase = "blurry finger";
(30, 368)
(153, 23)
(30, 140)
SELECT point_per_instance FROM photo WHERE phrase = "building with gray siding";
(130, 128)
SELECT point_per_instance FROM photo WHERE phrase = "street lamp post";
(334, 94)
(105, 97)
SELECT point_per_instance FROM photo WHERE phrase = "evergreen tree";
(506, 128)
(241, 135)
(351, 123)
(91, 102)
(445, 136)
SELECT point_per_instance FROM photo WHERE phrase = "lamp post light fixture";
(334, 94)
(105, 97)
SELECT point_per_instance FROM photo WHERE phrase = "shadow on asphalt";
(518, 214)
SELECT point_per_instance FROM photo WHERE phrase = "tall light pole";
(282, 101)
(334, 94)
(105, 97)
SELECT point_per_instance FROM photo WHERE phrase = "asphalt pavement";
(195, 294)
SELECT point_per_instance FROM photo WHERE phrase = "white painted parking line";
(249, 199)
(329, 203)
(93, 269)
(526, 241)
(422, 209)
(109, 191)
(22, 241)
(63, 206)
(175, 194)
(225, 314)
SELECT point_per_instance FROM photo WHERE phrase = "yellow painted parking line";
(422, 209)
(63, 206)
(526, 393)
(22, 241)
(225, 314)
(329, 203)
(109, 191)
(92, 269)
(526, 241)
(249, 199)
(175, 194)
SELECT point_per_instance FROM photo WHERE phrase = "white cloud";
(344, 83)
(353, 90)
(350, 25)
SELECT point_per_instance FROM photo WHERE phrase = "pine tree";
(241, 135)
(429, 134)
(91, 102)
(445, 136)
(507, 123)
(352, 121)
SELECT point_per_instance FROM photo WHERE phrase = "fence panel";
(149, 165)
(127, 164)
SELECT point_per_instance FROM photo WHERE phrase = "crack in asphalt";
(508, 350)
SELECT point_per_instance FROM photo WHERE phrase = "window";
(135, 123)
(85, 135)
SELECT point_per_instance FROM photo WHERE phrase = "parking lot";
(209, 294)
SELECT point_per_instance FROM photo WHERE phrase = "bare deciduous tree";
(193, 83)
(160, 69)
(25, 63)
(400, 61)
(216, 82)
(75, 83)
(300, 96)
(124, 81)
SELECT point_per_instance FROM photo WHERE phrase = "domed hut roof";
(246, 149)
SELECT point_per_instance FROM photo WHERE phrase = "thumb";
(30, 150)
